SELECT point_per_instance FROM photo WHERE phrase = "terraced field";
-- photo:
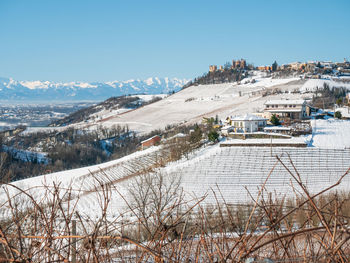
(235, 173)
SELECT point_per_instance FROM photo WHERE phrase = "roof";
(227, 127)
(180, 135)
(279, 128)
(248, 117)
(150, 138)
(285, 102)
(284, 110)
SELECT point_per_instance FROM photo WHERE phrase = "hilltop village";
(313, 69)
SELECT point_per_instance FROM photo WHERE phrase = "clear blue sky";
(67, 40)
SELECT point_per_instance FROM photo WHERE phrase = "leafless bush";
(161, 224)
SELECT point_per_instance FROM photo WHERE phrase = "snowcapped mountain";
(29, 91)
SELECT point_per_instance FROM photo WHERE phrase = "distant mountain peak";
(32, 91)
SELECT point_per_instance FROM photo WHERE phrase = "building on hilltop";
(295, 65)
(264, 68)
(212, 68)
(243, 63)
(233, 64)
(287, 109)
(236, 64)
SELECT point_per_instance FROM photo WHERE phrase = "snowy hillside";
(314, 84)
(28, 91)
(331, 134)
(233, 170)
(195, 102)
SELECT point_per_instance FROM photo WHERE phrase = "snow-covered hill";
(193, 103)
(238, 172)
(190, 105)
(29, 91)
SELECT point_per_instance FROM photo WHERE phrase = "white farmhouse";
(247, 123)
(291, 109)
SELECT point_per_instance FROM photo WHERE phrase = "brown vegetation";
(162, 224)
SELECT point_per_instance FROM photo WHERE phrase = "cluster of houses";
(285, 110)
(314, 67)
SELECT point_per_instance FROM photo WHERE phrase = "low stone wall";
(248, 144)
(258, 136)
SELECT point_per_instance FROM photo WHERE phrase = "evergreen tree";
(274, 120)
(274, 66)
(213, 136)
(339, 101)
(196, 135)
(337, 115)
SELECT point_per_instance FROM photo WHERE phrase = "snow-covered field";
(84, 183)
(192, 104)
(238, 172)
(234, 170)
(314, 84)
(29, 130)
(330, 134)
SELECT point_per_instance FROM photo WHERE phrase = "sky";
(102, 40)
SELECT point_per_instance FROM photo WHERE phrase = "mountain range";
(41, 91)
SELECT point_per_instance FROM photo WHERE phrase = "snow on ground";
(330, 134)
(192, 104)
(235, 170)
(84, 183)
(30, 130)
(238, 171)
(106, 113)
(27, 156)
(147, 98)
(345, 111)
(266, 141)
(314, 84)
(69, 176)
(266, 82)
